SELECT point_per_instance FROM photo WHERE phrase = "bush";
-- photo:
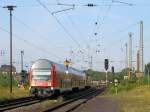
(126, 85)
(5, 80)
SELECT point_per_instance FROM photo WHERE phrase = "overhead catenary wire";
(123, 30)
(31, 44)
(33, 30)
(72, 23)
(127, 28)
(58, 21)
(63, 10)
(67, 31)
(74, 26)
(110, 5)
(100, 20)
(77, 30)
(98, 15)
(117, 1)
(107, 11)
(97, 22)
(109, 8)
(93, 5)
(118, 4)
(83, 5)
(62, 26)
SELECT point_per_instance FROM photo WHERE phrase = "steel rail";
(11, 104)
(25, 101)
(77, 101)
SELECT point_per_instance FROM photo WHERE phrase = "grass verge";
(137, 100)
(134, 100)
(17, 92)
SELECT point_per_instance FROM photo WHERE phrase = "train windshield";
(41, 75)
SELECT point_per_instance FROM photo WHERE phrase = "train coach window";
(41, 77)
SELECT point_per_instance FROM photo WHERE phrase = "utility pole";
(22, 53)
(138, 61)
(130, 51)
(141, 47)
(10, 8)
(148, 76)
(126, 55)
(91, 62)
(147, 73)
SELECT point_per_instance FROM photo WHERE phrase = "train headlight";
(67, 72)
(49, 84)
(33, 84)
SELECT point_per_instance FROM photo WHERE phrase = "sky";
(78, 33)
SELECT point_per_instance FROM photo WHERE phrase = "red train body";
(47, 77)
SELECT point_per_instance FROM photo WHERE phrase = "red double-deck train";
(47, 77)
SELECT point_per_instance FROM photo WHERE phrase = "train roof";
(46, 64)
(41, 63)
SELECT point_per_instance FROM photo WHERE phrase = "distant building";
(139, 74)
(125, 77)
(5, 69)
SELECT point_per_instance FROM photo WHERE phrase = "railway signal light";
(67, 63)
(106, 63)
(112, 69)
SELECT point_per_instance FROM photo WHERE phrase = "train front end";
(40, 78)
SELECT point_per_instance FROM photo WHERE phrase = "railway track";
(16, 103)
(72, 104)
(11, 104)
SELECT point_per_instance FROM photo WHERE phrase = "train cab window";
(41, 75)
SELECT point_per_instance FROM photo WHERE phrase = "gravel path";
(100, 104)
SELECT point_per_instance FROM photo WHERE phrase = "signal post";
(67, 63)
(106, 64)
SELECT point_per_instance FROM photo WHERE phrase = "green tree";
(147, 67)
(95, 75)
(5, 80)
